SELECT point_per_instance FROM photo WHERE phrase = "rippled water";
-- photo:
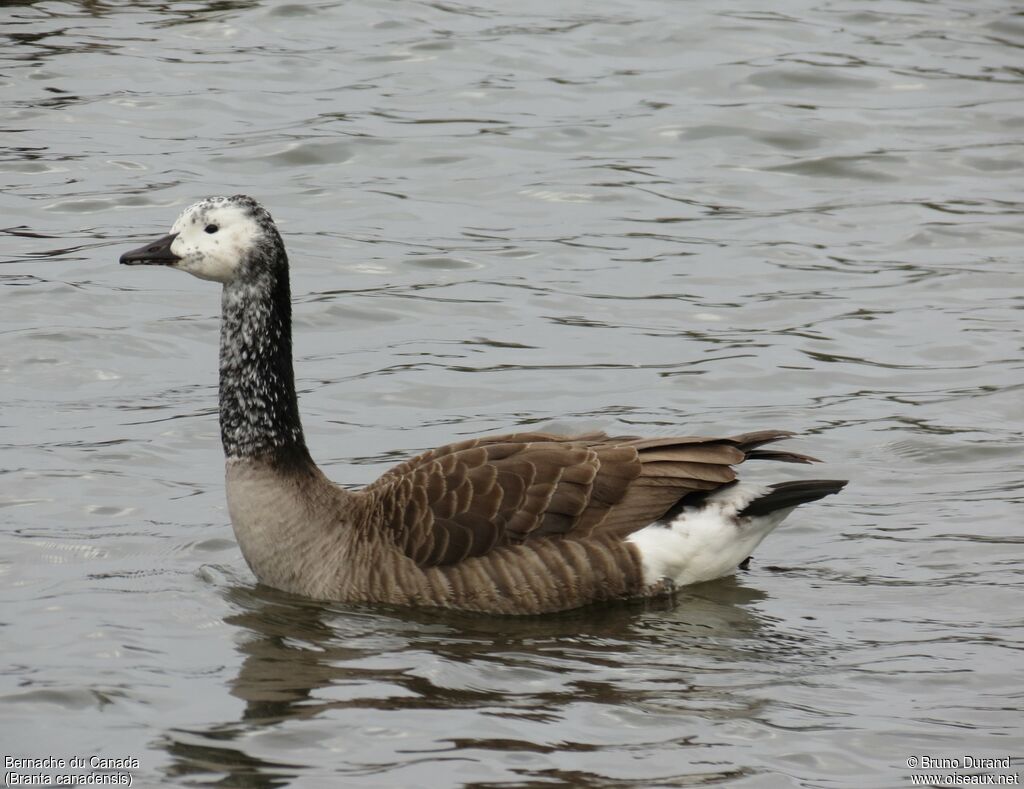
(655, 216)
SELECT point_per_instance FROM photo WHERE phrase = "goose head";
(223, 239)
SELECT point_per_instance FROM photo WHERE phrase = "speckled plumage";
(516, 524)
(259, 412)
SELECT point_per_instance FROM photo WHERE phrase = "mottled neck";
(259, 412)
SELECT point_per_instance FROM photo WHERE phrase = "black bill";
(155, 253)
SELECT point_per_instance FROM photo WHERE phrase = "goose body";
(523, 523)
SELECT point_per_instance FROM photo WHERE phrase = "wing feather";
(466, 499)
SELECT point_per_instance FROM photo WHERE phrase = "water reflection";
(302, 660)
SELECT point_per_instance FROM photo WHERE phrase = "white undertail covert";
(706, 541)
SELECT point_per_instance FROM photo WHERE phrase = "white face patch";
(214, 236)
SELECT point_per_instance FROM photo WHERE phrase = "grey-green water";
(656, 216)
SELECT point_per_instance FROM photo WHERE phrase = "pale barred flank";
(537, 576)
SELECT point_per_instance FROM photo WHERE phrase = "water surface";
(654, 217)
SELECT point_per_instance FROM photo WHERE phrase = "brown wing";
(465, 499)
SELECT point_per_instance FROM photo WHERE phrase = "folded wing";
(464, 500)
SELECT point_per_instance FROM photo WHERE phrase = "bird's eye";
(211, 229)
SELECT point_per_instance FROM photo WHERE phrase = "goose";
(524, 523)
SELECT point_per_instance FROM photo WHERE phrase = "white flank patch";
(707, 543)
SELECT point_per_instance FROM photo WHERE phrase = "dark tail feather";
(750, 443)
(785, 457)
(790, 494)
